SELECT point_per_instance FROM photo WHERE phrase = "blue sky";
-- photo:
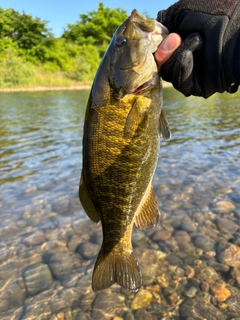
(61, 12)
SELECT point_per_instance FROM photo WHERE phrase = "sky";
(60, 13)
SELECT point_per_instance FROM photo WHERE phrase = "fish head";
(132, 64)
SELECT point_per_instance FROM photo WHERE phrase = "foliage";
(96, 27)
(22, 28)
(14, 72)
(27, 45)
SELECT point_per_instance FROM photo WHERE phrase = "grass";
(17, 73)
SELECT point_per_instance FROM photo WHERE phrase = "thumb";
(166, 48)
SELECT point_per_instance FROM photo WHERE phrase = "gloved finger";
(179, 68)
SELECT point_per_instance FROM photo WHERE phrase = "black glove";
(208, 59)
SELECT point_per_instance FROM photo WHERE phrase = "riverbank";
(53, 88)
(86, 86)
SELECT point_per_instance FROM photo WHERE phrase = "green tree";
(96, 27)
(7, 18)
(30, 31)
(23, 29)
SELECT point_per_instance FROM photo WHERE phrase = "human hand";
(207, 61)
(166, 49)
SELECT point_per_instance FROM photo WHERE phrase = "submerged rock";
(107, 305)
(60, 262)
(142, 299)
(223, 207)
(230, 255)
(37, 278)
(220, 292)
(37, 238)
(197, 309)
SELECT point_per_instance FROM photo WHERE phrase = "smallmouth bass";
(121, 142)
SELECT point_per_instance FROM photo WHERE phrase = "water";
(48, 246)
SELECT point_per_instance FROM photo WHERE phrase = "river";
(48, 246)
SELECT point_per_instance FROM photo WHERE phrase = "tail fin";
(112, 267)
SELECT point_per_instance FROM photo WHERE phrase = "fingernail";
(169, 43)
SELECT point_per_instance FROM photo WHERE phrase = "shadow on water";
(190, 264)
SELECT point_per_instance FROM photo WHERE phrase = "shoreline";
(54, 88)
(59, 88)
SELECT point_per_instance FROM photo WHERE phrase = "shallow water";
(190, 264)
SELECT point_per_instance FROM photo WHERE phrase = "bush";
(86, 63)
(15, 72)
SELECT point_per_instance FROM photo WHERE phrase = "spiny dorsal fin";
(148, 215)
(87, 202)
(164, 128)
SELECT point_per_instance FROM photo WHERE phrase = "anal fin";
(87, 202)
(148, 215)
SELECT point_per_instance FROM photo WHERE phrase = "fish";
(121, 142)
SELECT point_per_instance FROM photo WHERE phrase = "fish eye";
(120, 41)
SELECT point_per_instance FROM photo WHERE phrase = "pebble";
(88, 250)
(234, 305)
(188, 225)
(142, 299)
(190, 292)
(198, 310)
(236, 275)
(37, 238)
(223, 207)
(107, 305)
(33, 311)
(182, 236)
(64, 299)
(219, 267)
(161, 235)
(149, 265)
(204, 286)
(220, 292)
(162, 281)
(173, 259)
(59, 261)
(37, 278)
(230, 255)
(227, 225)
(234, 197)
(203, 242)
(74, 242)
(189, 272)
(61, 206)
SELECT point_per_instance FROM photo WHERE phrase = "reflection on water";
(190, 264)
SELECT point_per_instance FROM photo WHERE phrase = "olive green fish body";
(120, 150)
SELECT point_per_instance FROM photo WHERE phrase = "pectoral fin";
(136, 117)
(148, 215)
(87, 202)
(164, 128)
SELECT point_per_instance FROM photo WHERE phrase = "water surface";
(48, 246)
